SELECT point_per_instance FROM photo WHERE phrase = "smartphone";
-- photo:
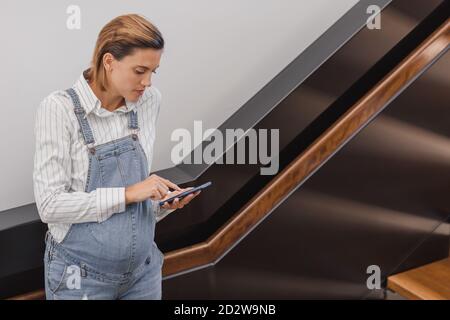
(185, 193)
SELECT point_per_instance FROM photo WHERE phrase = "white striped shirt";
(61, 160)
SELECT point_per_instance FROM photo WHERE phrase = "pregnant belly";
(117, 245)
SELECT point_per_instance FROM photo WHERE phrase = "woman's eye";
(142, 72)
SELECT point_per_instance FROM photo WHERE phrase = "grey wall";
(218, 55)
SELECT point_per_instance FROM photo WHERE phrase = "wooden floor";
(429, 282)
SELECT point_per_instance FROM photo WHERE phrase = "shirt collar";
(91, 103)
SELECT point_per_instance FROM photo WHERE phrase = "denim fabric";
(117, 258)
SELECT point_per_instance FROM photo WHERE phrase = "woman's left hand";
(177, 203)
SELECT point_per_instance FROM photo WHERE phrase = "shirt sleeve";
(55, 201)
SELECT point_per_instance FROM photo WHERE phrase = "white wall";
(218, 55)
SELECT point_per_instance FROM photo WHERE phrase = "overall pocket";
(56, 272)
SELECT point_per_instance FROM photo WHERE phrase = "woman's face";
(131, 75)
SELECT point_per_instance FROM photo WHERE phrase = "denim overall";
(117, 258)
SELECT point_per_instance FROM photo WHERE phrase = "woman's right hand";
(154, 187)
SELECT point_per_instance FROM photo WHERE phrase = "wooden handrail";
(358, 115)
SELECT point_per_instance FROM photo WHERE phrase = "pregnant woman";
(94, 148)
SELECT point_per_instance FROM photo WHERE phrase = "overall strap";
(81, 117)
(133, 123)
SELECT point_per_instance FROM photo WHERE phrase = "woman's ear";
(108, 60)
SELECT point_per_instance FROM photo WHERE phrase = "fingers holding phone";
(179, 203)
(154, 187)
(180, 198)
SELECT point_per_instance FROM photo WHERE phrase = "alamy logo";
(256, 141)
(374, 280)
(374, 20)
(73, 22)
(74, 277)
(73, 281)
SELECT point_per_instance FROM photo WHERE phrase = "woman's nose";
(147, 82)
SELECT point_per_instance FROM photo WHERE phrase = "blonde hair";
(120, 37)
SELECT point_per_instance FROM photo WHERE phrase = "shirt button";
(148, 260)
